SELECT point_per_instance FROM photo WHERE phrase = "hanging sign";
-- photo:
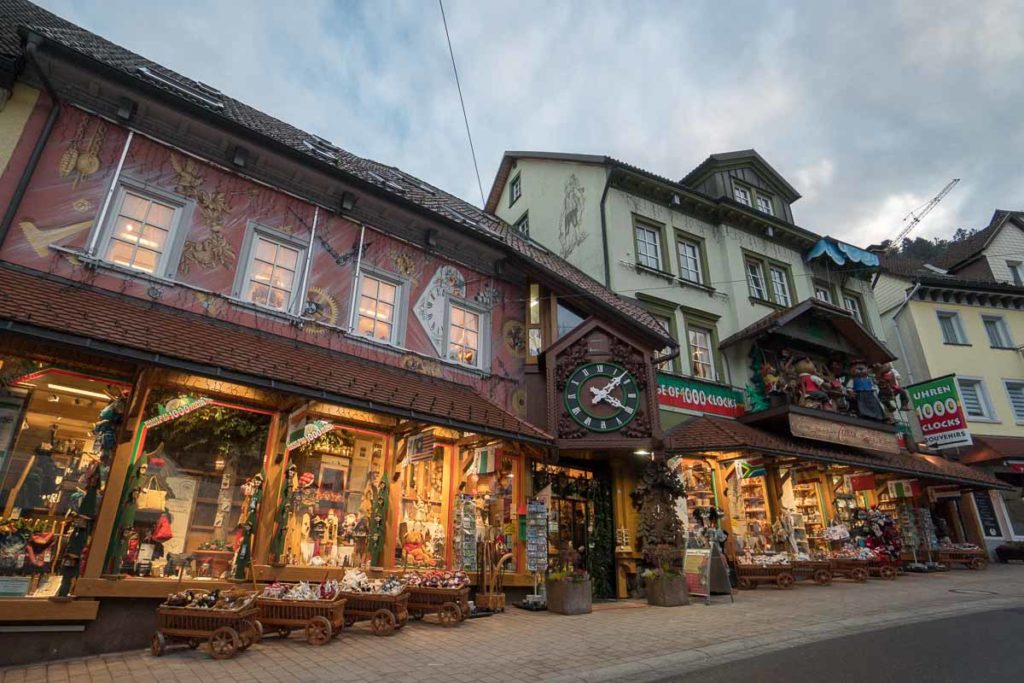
(987, 514)
(175, 408)
(862, 482)
(484, 459)
(835, 432)
(940, 412)
(311, 431)
(698, 397)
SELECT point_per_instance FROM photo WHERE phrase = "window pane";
(472, 321)
(160, 215)
(128, 229)
(780, 285)
(258, 293)
(146, 260)
(386, 292)
(370, 286)
(153, 238)
(741, 195)
(382, 330)
(266, 250)
(278, 298)
(764, 204)
(756, 277)
(365, 325)
(823, 294)
(970, 393)
(120, 253)
(385, 312)
(1016, 392)
(287, 258)
(458, 317)
(283, 278)
(134, 206)
(262, 271)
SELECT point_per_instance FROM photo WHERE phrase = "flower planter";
(667, 590)
(1010, 552)
(566, 596)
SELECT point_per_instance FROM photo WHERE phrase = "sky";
(867, 108)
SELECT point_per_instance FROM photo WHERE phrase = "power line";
(462, 103)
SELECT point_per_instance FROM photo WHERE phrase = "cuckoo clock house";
(771, 408)
(230, 349)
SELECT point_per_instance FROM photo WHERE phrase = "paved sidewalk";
(631, 643)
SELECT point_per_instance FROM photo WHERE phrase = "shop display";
(382, 602)
(807, 501)
(226, 620)
(443, 593)
(755, 569)
(754, 526)
(699, 494)
(422, 528)
(536, 537)
(465, 533)
(317, 609)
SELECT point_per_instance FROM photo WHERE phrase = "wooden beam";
(38, 609)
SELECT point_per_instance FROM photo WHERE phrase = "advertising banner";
(940, 412)
(698, 397)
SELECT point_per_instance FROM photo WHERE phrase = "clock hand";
(611, 400)
(600, 394)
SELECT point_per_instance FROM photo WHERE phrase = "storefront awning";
(705, 434)
(846, 329)
(131, 329)
(992, 449)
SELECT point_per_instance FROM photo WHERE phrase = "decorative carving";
(214, 251)
(639, 427)
(568, 428)
(422, 365)
(626, 356)
(515, 337)
(489, 296)
(518, 403)
(571, 358)
(322, 310)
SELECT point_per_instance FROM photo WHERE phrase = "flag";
(484, 459)
(862, 482)
(420, 446)
(750, 469)
(904, 488)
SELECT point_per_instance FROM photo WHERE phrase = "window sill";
(683, 282)
(986, 420)
(766, 302)
(1004, 348)
(640, 268)
(946, 343)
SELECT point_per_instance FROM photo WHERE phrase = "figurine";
(810, 384)
(889, 389)
(865, 392)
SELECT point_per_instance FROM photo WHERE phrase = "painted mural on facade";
(201, 252)
(570, 222)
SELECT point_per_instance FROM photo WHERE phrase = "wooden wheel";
(860, 575)
(822, 577)
(978, 563)
(259, 629)
(193, 643)
(785, 580)
(746, 584)
(383, 622)
(158, 644)
(416, 614)
(283, 632)
(318, 631)
(349, 621)
(888, 573)
(224, 643)
(450, 614)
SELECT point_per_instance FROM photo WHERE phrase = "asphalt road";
(987, 646)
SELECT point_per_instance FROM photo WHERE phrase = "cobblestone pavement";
(620, 641)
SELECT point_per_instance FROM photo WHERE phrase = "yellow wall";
(978, 360)
(13, 118)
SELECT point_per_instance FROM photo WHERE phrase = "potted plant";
(660, 534)
(568, 587)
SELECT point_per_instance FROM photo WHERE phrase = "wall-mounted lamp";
(240, 156)
(348, 201)
(126, 108)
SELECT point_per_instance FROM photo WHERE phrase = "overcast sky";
(867, 108)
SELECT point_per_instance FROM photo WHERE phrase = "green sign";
(697, 396)
(940, 412)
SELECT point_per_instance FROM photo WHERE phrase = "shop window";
(274, 272)
(422, 539)
(466, 330)
(1014, 511)
(190, 502)
(379, 312)
(487, 503)
(54, 461)
(140, 233)
(333, 486)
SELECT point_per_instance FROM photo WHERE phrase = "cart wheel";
(860, 575)
(224, 643)
(822, 577)
(383, 622)
(259, 629)
(284, 632)
(158, 644)
(253, 634)
(193, 643)
(349, 621)
(416, 615)
(785, 580)
(450, 614)
(888, 573)
(746, 584)
(978, 563)
(318, 631)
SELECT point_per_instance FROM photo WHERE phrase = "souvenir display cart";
(445, 594)
(228, 622)
(772, 569)
(970, 557)
(318, 610)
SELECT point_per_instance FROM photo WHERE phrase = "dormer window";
(742, 195)
(764, 204)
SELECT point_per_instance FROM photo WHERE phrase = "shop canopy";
(992, 449)
(707, 434)
(134, 330)
(821, 324)
(841, 254)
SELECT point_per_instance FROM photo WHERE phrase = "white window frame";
(737, 190)
(984, 401)
(522, 226)
(819, 289)
(1002, 329)
(710, 336)
(958, 328)
(240, 290)
(783, 297)
(765, 204)
(748, 263)
(167, 265)
(1019, 383)
(515, 189)
(483, 332)
(856, 310)
(398, 327)
(1016, 269)
(638, 230)
(684, 260)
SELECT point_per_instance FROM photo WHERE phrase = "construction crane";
(915, 216)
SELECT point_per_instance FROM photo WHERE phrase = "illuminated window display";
(331, 494)
(190, 500)
(487, 476)
(55, 455)
(422, 518)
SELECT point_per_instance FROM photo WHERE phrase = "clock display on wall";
(602, 397)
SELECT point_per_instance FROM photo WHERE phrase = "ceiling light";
(80, 392)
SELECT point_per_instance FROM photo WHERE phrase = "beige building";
(964, 315)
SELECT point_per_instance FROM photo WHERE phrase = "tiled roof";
(95, 315)
(385, 179)
(704, 434)
(988, 448)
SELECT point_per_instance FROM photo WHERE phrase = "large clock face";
(603, 397)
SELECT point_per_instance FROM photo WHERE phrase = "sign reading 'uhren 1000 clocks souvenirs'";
(699, 397)
(940, 412)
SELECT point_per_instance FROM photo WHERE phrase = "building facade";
(963, 316)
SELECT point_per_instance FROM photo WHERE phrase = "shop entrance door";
(581, 505)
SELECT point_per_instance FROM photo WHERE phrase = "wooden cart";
(819, 571)
(883, 569)
(971, 559)
(321, 619)
(386, 613)
(748, 576)
(855, 570)
(450, 604)
(227, 631)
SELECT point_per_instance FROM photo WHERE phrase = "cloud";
(868, 108)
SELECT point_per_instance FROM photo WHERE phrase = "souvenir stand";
(227, 621)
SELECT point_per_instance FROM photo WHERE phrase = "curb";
(671, 666)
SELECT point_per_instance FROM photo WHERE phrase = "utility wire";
(462, 102)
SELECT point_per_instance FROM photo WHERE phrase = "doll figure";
(770, 379)
(865, 393)
(810, 384)
(889, 389)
